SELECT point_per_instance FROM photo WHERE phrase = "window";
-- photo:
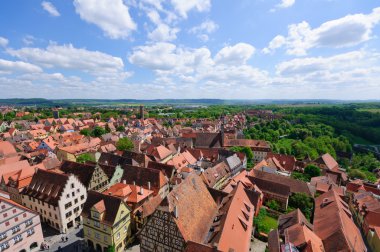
(3, 206)
(7, 223)
(72, 185)
(73, 194)
(15, 229)
(24, 215)
(68, 195)
(5, 215)
(118, 236)
(125, 229)
(105, 238)
(29, 232)
(28, 223)
(75, 201)
(16, 219)
(3, 236)
(56, 217)
(14, 211)
(96, 223)
(17, 238)
(68, 205)
(95, 215)
(78, 190)
(82, 197)
(4, 246)
(97, 235)
(68, 214)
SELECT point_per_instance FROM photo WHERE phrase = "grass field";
(371, 110)
(269, 223)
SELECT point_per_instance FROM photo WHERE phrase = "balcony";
(15, 229)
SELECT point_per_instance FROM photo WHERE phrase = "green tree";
(111, 248)
(85, 132)
(120, 128)
(98, 131)
(273, 204)
(82, 158)
(124, 144)
(312, 171)
(247, 151)
(303, 202)
(300, 176)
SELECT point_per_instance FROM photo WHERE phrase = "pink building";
(20, 228)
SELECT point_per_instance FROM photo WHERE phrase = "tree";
(124, 144)
(247, 151)
(111, 248)
(300, 176)
(85, 132)
(82, 158)
(98, 131)
(303, 202)
(312, 171)
(120, 128)
(273, 204)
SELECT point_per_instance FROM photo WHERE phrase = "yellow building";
(106, 222)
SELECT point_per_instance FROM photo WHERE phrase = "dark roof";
(83, 172)
(111, 204)
(292, 218)
(270, 186)
(208, 140)
(168, 170)
(114, 160)
(138, 157)
(108, 170)
(141, 176)
(217, 195)
(294, 184)
(46, 186)
(273, 241)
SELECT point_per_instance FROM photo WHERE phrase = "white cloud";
(28, 40)
(9, 67)
(68, 57)
(286, 3)
(347, 31)
(203, 29)
(50, 8)
(112, 16)
(236, 54)
(163, 33)
(183, 7)
(276, 42)
(178, 65)
(3, 42)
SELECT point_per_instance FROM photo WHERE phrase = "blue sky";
(248, 49)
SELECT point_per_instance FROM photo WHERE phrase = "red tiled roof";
(334, 225)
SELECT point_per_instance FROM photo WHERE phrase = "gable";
(161, 231)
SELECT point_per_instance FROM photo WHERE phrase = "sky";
(149, 49)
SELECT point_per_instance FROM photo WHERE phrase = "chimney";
(124, 182)
(141, 190)
(134, 182)
(175, 212)
(148, 185)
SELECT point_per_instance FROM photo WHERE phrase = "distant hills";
(115, 102)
